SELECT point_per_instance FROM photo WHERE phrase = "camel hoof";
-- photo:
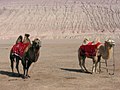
(24, 77)
(89, 72)
(81, 70)
(28, 76)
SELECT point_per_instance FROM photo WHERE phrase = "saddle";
(89, 49)
(19, 48)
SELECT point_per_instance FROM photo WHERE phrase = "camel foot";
(28, 76)
(24, 77)
(89, 72)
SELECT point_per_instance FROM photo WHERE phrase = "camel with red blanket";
(95, 52)
(26, 52)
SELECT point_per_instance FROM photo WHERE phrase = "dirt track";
(57, 69)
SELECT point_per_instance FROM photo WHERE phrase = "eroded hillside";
(58, 18)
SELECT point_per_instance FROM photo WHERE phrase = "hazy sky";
(61, 2)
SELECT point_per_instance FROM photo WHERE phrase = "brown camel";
(28, 57)
(98, 51)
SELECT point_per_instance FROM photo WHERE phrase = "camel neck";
(107, 51)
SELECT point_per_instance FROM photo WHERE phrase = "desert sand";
(58, 69)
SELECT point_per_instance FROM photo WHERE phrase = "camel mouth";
(113, 44)
(37, 43)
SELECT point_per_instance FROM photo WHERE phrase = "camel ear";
(32, 42)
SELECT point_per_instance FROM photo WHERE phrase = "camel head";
(110, 43)
(36, 43)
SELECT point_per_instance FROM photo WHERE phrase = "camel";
(99, 50)
(19, 52)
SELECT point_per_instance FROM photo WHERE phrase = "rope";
(113, 63)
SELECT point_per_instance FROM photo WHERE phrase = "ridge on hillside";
(55, 19)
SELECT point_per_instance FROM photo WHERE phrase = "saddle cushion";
(19, 48)
(89, 49)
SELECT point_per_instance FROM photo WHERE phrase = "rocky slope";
(51, 19)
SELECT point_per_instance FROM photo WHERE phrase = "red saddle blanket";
(89, 49)
(19, 48)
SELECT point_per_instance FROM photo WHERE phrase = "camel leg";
(80, 63)
(95, 63)
(28, 65)
(24, 67)
(99, 60)
(24, 74)
(12, 65)
(93, 68)
(80, 60)
(24, 70)
(83, 64)
(24, 63)
(106, 65)
(17, 65)
(99, 66)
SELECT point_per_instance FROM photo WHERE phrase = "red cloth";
(89, 49)
(19, 48)
(90, 43)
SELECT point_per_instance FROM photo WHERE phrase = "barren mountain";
(51, 19)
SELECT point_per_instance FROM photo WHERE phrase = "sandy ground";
(58, 69)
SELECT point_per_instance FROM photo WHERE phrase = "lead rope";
(113, 63)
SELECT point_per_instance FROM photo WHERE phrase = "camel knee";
(17, 65)
(12, 67)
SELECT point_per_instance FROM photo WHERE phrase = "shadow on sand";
(11, 74)
(75, 70)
